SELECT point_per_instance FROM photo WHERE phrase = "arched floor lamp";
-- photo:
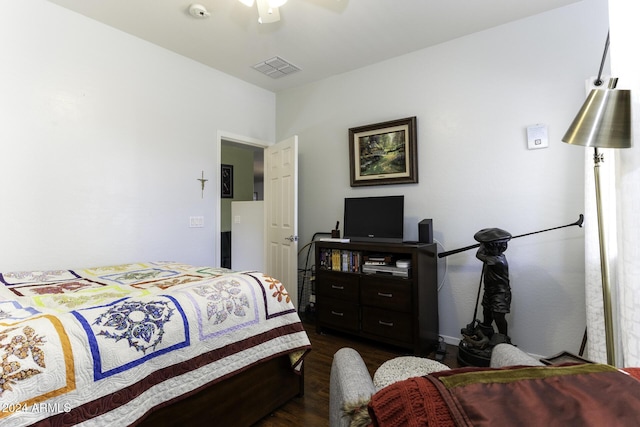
(604, 121)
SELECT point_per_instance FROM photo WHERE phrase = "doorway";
(279, 209)
(245, 161)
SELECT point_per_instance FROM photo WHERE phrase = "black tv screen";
(374, 219)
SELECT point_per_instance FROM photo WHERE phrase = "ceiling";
(321, 37)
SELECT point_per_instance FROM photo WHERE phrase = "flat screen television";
(374, 219)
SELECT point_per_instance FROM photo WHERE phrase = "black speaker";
(425, 231)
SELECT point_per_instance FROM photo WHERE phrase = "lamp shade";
(604, 121)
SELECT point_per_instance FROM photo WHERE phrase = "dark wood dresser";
(361, 290)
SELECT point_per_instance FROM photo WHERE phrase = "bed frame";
(239, 400)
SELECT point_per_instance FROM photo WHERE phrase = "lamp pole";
(604, 263)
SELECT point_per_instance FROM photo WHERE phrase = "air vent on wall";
(276, 67)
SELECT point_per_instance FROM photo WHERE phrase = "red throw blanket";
(582, 394)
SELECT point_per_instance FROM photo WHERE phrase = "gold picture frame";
(384, 153)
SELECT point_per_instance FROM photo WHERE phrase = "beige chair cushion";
(404, 367)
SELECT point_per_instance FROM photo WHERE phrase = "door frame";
(238, 139)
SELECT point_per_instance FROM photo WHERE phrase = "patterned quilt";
(102, 346)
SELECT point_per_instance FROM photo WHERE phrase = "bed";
(153, 343)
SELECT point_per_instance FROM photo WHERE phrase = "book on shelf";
(340, 260)
(335, 259)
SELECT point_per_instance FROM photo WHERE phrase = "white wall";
(102, 138)
(474, 98)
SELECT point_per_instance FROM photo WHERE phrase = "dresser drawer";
(386, 294)
(389, 324)
(338, 313)
(341, 286)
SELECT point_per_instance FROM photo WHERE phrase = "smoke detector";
(198, 11)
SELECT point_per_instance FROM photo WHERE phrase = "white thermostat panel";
(537, 137)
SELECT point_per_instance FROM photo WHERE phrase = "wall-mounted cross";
(202, 181)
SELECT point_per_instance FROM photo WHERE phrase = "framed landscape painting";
(384, 153)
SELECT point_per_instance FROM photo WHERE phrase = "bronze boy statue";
(496, 301)
(479, 338)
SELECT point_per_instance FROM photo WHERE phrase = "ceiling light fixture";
(267, 9)
(276, 3)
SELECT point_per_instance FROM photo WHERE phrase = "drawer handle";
(341, 288)
(385, 323)
(335, 313)
(380, 294)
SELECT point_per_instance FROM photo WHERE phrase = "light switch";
(236, 219)
(196, 221)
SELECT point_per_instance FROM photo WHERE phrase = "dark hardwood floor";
(313, 408)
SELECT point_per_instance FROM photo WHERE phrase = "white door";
(281, 219)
